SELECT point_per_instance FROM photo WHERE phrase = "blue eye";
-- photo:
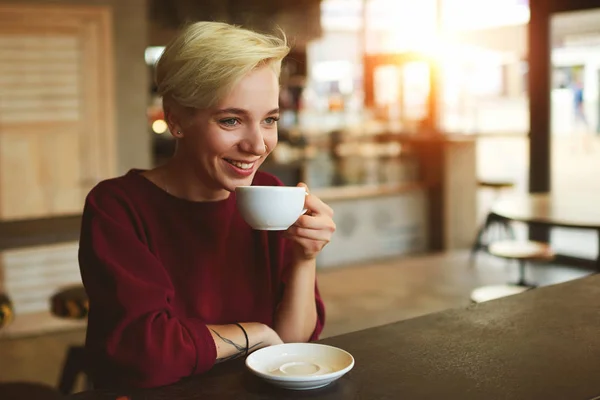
(271, 120)
(229, 122)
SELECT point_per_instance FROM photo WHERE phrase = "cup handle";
(306, 209)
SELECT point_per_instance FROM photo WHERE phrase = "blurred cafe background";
(433, 128)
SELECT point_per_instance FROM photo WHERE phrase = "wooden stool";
(522, 252)
(494, 228)
(71, 303)
(21, 390)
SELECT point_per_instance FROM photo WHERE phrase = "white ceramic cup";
(270, 208)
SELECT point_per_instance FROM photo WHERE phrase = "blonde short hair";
(203, 63)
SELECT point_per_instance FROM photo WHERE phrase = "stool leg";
(521, 281)
(478, 245)
(74, 364)
(510, 230)
(497, 232)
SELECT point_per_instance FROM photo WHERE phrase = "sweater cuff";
(206, 351)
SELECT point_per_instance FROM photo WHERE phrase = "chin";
(231, 184)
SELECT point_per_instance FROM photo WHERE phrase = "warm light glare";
(159, 126)
(464, 15)
(416, 16)
(401, 25)
(432, 33)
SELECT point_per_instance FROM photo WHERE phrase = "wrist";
(267, 334)
(300, 255)
(302, 261)
(269, 337)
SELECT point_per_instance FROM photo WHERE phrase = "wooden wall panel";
(56, 108)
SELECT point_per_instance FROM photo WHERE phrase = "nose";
(254, 141)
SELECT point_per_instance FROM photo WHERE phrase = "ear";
(173, 120)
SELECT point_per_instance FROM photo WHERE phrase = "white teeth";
(240, 165)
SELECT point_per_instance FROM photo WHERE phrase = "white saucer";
(300, 366)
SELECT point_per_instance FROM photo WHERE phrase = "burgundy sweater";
(158, 269)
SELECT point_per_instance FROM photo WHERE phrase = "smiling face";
(225, 144)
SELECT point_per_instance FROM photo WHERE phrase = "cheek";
(216, 143)
(271, 139)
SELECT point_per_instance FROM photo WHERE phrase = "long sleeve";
(134, 336)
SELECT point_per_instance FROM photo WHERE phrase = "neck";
(180, 179)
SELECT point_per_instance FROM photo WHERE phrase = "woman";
(176, 279)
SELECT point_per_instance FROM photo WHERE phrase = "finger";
(310, 234)
(315, 222)
(316, 206)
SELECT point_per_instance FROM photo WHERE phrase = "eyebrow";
(239, 111)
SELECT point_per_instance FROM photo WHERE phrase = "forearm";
(296, 315)
(231, 342)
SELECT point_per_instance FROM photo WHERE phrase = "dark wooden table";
(564, 210)
(542, 344)
(568, 210)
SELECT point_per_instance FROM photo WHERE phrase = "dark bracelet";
(246, 336)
